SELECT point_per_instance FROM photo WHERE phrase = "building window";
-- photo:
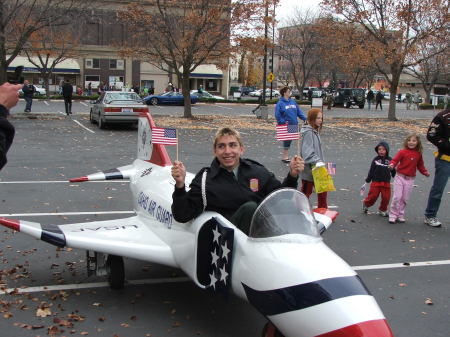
(92, 78)
(92, 63)
(116, 64)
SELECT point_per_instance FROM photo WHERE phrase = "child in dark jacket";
(380, 176)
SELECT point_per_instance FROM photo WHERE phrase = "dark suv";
(350, 96)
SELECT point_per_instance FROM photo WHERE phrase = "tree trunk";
(187, 95)
(393, 91)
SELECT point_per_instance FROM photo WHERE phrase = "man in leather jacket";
(234, 186)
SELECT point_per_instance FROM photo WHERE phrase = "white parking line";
(60, 181)
(83, 103)
(46, 103)
(61, 287)
(65, 213)
(83, 126)
(224, 107)
(90, 285)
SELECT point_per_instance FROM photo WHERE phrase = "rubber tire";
(361, 106)
(91, 119)
(348, 105)
(154, 101)
(270, 330)
(101, 123)
(116, 271)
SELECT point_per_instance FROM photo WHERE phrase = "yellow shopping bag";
(322, 180)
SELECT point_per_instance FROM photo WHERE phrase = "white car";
(39, 91)
(257, 93)
(205, 94)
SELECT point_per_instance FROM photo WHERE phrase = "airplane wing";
(128, 237)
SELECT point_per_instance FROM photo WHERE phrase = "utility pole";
(273, 48)
(263, 101)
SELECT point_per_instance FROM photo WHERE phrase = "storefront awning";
(206, 71)
(69, 66)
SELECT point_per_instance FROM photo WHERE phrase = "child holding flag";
(311, 152)
(286, 113)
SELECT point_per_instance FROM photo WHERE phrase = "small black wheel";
(361, 106)
(101, 122)
(116, 271)
(348, 105)
(91, 118)
(270, 330)
(154, 101)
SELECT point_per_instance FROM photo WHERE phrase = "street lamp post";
(273, 49)
(263, 100)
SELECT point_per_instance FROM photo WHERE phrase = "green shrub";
(427, 106)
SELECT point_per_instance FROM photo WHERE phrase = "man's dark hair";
(283, 90)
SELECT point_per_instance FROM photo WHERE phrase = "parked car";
(116, 107)
(39, 91)
(246, 90)
(349, 97)
(205, 94)
(439, 98)
(170, 97)
(257, 93)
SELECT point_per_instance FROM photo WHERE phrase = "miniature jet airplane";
(283, 268)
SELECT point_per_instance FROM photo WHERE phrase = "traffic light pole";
(263, 101)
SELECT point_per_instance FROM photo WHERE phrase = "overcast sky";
(286, 7)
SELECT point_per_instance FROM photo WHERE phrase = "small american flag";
(287, 132)
(164, 136)
(331, 168)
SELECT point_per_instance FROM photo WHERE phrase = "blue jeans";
(442, 172)
(29, 101)
(287, 144)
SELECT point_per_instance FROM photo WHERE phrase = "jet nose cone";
(375, 328)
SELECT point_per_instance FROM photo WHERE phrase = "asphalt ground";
(49, 150)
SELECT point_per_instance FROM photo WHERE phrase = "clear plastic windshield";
(285, 211)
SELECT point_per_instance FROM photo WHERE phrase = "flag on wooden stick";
(287, 132)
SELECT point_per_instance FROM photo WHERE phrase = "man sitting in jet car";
(232, 186)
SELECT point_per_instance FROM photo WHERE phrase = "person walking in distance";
(28, 93)
(439, 134)
(370, 97)
(378, 100)
(407, 161)
(67, 90)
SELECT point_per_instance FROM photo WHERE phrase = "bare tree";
(19, 19)
(432, 69)
(396, 27)
(50, 46)
(298, 47)
(177, 36)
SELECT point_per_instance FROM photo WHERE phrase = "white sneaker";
(365, 209)
(384, 214)
(433, 222)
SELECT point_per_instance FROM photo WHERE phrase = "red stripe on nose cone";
(10, 223)
(79, 179)
(377, 328)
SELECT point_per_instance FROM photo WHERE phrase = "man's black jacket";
(6, 135)
(439, 132)
(224, 193)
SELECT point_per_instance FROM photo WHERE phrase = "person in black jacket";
(370, 97)
(380, 176)
(379, 99)
(67, 91)
(28, 92)
(9, 96)
(439, 134)
(234, 186)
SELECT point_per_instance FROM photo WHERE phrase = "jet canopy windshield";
(285, 211)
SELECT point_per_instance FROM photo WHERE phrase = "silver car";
(116, 107)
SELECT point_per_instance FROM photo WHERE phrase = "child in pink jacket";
(407, 161)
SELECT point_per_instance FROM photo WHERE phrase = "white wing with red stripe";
(128, 237)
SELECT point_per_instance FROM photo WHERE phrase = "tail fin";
(154, 153)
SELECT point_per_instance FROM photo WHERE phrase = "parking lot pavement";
(46, 152)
